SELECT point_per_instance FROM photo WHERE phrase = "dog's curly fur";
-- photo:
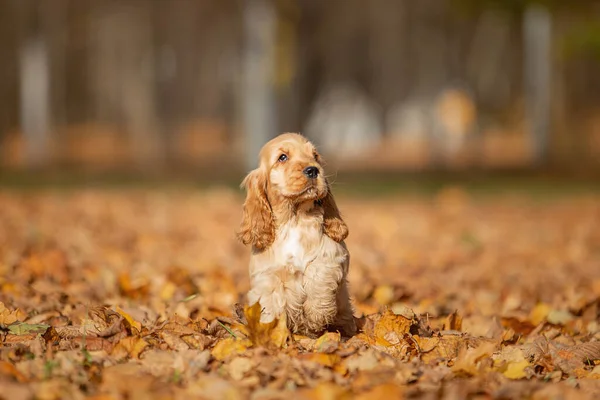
(299, 261)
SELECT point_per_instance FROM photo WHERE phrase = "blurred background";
(380, 85)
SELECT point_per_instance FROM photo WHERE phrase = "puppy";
(299, 261)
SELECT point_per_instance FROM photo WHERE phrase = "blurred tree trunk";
(176, 70)
(389, 50)
(123, 78)
(9, 67)
(537, 32)
(34, 85)
(428, 47)
(258, 118)
(286, 65)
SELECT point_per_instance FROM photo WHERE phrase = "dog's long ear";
(333, 224)
(257, 228)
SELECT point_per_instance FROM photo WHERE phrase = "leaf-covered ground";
(132, 295)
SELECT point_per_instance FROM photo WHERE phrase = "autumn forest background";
(462, 139)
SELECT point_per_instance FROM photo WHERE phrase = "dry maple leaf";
(129, 347)
(472, 361)
(388, 328)
(8, 317)
(272, 334)
(513, 363)
(329, 342)
(442, 347)
(230, 346)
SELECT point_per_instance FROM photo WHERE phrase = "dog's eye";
(282, 158)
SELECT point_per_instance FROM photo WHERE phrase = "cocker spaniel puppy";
(299, 261)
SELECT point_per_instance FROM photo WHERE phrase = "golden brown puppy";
(299, 260)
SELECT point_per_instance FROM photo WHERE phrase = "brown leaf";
(173, 341)
(197, 341)
(440, 347)
(454, 322)
(89, 343)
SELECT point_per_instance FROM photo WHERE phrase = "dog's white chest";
(291, 246)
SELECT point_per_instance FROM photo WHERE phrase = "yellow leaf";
(8, 317)
(327, 360)
(391, 322)
(230, 346)
(134, 325)
(539, 313)
(239, 367)
(324, 391)
(511, 362)
(384, 295)
(167, 291)
(272, 334)
(516, 370)
(433, 348)
(130, 346)
(595, 373)
(384, 391)
(328, 343)
(469, 360)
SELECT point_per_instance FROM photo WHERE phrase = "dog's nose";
(311, 172)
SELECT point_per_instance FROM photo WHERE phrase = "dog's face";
(290, 174)
(294, 169)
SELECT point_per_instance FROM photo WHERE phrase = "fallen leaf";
(273, 334)
(595, 373)
(364, 361)
(230, 346)
(384, 391)
(325, 391)
(134, 326)
(390, 322)
(511, 362)
(8, 370)
(469, 361)
(439, 347)
(129, 347)
(516, 370)
(384, 295)
(238, 367)
(328, 342)
(20, 328)
(8, 317)
(454, 322)
(173, 341)
(539, 313)
(559, 317)
(327, 360)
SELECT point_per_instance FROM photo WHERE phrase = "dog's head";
(290, 174)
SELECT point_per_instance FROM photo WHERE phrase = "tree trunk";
(537, 29)
(258, 118)
(34, 87)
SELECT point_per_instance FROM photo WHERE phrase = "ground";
(132, 293)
